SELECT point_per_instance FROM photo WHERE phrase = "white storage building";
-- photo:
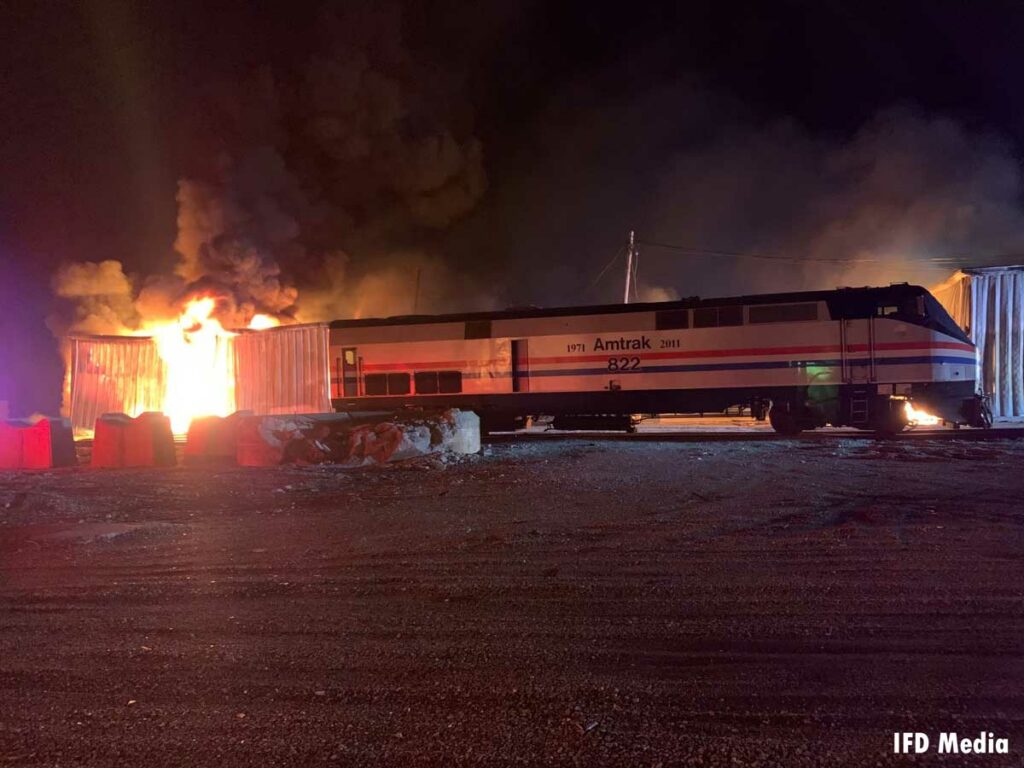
(988, 303)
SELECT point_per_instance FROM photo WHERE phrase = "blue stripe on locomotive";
(702, 367)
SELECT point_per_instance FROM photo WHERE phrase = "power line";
(608, 266)
(794, 259)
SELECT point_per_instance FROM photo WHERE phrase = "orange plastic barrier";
(10, 447)
(46, 443)
(145, 441)
(213, 440)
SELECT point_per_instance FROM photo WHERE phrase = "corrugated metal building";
(280, 370)
(283, 370)
(988, 303)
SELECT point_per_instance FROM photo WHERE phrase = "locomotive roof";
(849, 299)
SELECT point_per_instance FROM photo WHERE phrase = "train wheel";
(784, 420)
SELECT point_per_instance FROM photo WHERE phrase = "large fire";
(199, 356)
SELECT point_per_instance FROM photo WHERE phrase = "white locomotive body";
(844, 357)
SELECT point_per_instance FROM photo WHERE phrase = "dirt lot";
(576, 603)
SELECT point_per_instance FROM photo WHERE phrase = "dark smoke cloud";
(354, 181)
(325, 189)
(902, 199)
(907, 196)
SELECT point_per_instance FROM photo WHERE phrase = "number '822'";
(623, 363)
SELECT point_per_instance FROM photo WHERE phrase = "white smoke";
(102, 295)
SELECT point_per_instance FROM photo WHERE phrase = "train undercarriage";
(881, 409)
(790, 410)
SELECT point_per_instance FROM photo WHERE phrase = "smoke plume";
(906, 196)
(326, 187)
(352, 182)
(102, 295)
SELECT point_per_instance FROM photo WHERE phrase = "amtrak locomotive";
(848, 357)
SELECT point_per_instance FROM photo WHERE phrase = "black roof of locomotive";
(843, 302)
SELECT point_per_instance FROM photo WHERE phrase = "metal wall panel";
(989, 305)
(283, 370)
(113, 374)
(997, 322)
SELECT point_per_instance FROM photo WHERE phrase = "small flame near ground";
(199, 356)
(920, 418)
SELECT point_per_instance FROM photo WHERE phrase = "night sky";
(888, 133)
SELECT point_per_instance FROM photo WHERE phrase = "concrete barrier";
(262, 439)
(354, 440)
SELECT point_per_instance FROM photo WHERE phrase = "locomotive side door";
(520, 365)
(857, 344)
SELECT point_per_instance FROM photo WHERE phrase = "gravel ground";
(578, 603)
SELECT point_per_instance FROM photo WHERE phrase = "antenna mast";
(630, 254)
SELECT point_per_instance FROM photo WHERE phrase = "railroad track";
(725, 435)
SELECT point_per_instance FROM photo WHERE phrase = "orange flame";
(199, 357)
(263, 322)
(920, 418)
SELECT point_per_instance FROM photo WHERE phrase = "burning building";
(194, 367)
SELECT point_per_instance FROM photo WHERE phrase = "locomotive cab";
(900, 353)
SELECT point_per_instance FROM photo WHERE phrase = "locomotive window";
(398, 383)
(350, 357)
(435, 382)
(912, 306)
(449, 382)
(782, 313)
(670, 319)
(426, 383)
(375, 383)
(478, 329)
(710, 317)
(705, 317)
(731, 315)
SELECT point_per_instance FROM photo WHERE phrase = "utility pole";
(630, 254)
